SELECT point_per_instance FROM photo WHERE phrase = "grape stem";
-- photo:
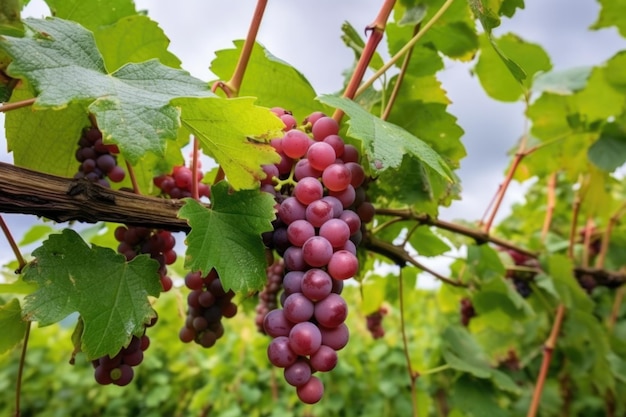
(17, 105)
(376, 29)
(547, 357)
(234, 84)
(133, 178)
(405, 49)
(194, 168)
(401, 257)
(399, 79)
(478, 235)
(16, 250)
(20, 371)
(572, 233)
(606, 237)
(405, 344)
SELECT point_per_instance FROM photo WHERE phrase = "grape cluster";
(118, 370)
(268, 297)
(467, 311)
(178, 183)
(207, 303)
(321, 205)
(96, 159)
(159, 244)
(374, 322)
(521, 278)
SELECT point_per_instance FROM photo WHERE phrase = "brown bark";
(62, 199)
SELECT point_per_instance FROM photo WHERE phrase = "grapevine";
(307, 247)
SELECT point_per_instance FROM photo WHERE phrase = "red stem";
(377, 28)
(17, 105)
(18, 255)
(234, 84)
(133, 178)
(547, 357)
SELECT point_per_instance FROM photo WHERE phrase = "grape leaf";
(92, 14)
(562, 82)
(109, 293)
(461, 352)
(273, 81)
(506, 69)
(133, 39)
(611, 14)
(44, 140)
(609, 151)
(10, 22)
(485, 11)
(226, 129)
(386, 144)
(227, 237)
(12, 325)
(62, 63)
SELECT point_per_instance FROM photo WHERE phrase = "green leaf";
(12, 325)
(487, 12)
(506, 69)
(477, 398)
(110, 294)
(62, 63)
(385, 144)
(26, 130)
(10, 20)
(560, 268)
(273, 81)
(562, 82)
(614, 71)
(457, 40)
(227, 237)
(36, 233)
(427, 243)
(374, 289)
(609, 152)
(133, 39)
(461, 352)
(226, 129)
(612, 13)
(94, 13)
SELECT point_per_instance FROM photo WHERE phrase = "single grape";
(312, 391)
(331, 311)
(336, 177)
(317, 251)
(321, 155)
(305, 338)
(298, 374)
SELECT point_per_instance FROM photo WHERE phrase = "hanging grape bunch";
(97, 160)
(321, 205)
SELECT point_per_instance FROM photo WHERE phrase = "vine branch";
(478, 235)
(401, 257)
(62, 199)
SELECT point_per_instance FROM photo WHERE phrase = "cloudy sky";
(307, 35)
